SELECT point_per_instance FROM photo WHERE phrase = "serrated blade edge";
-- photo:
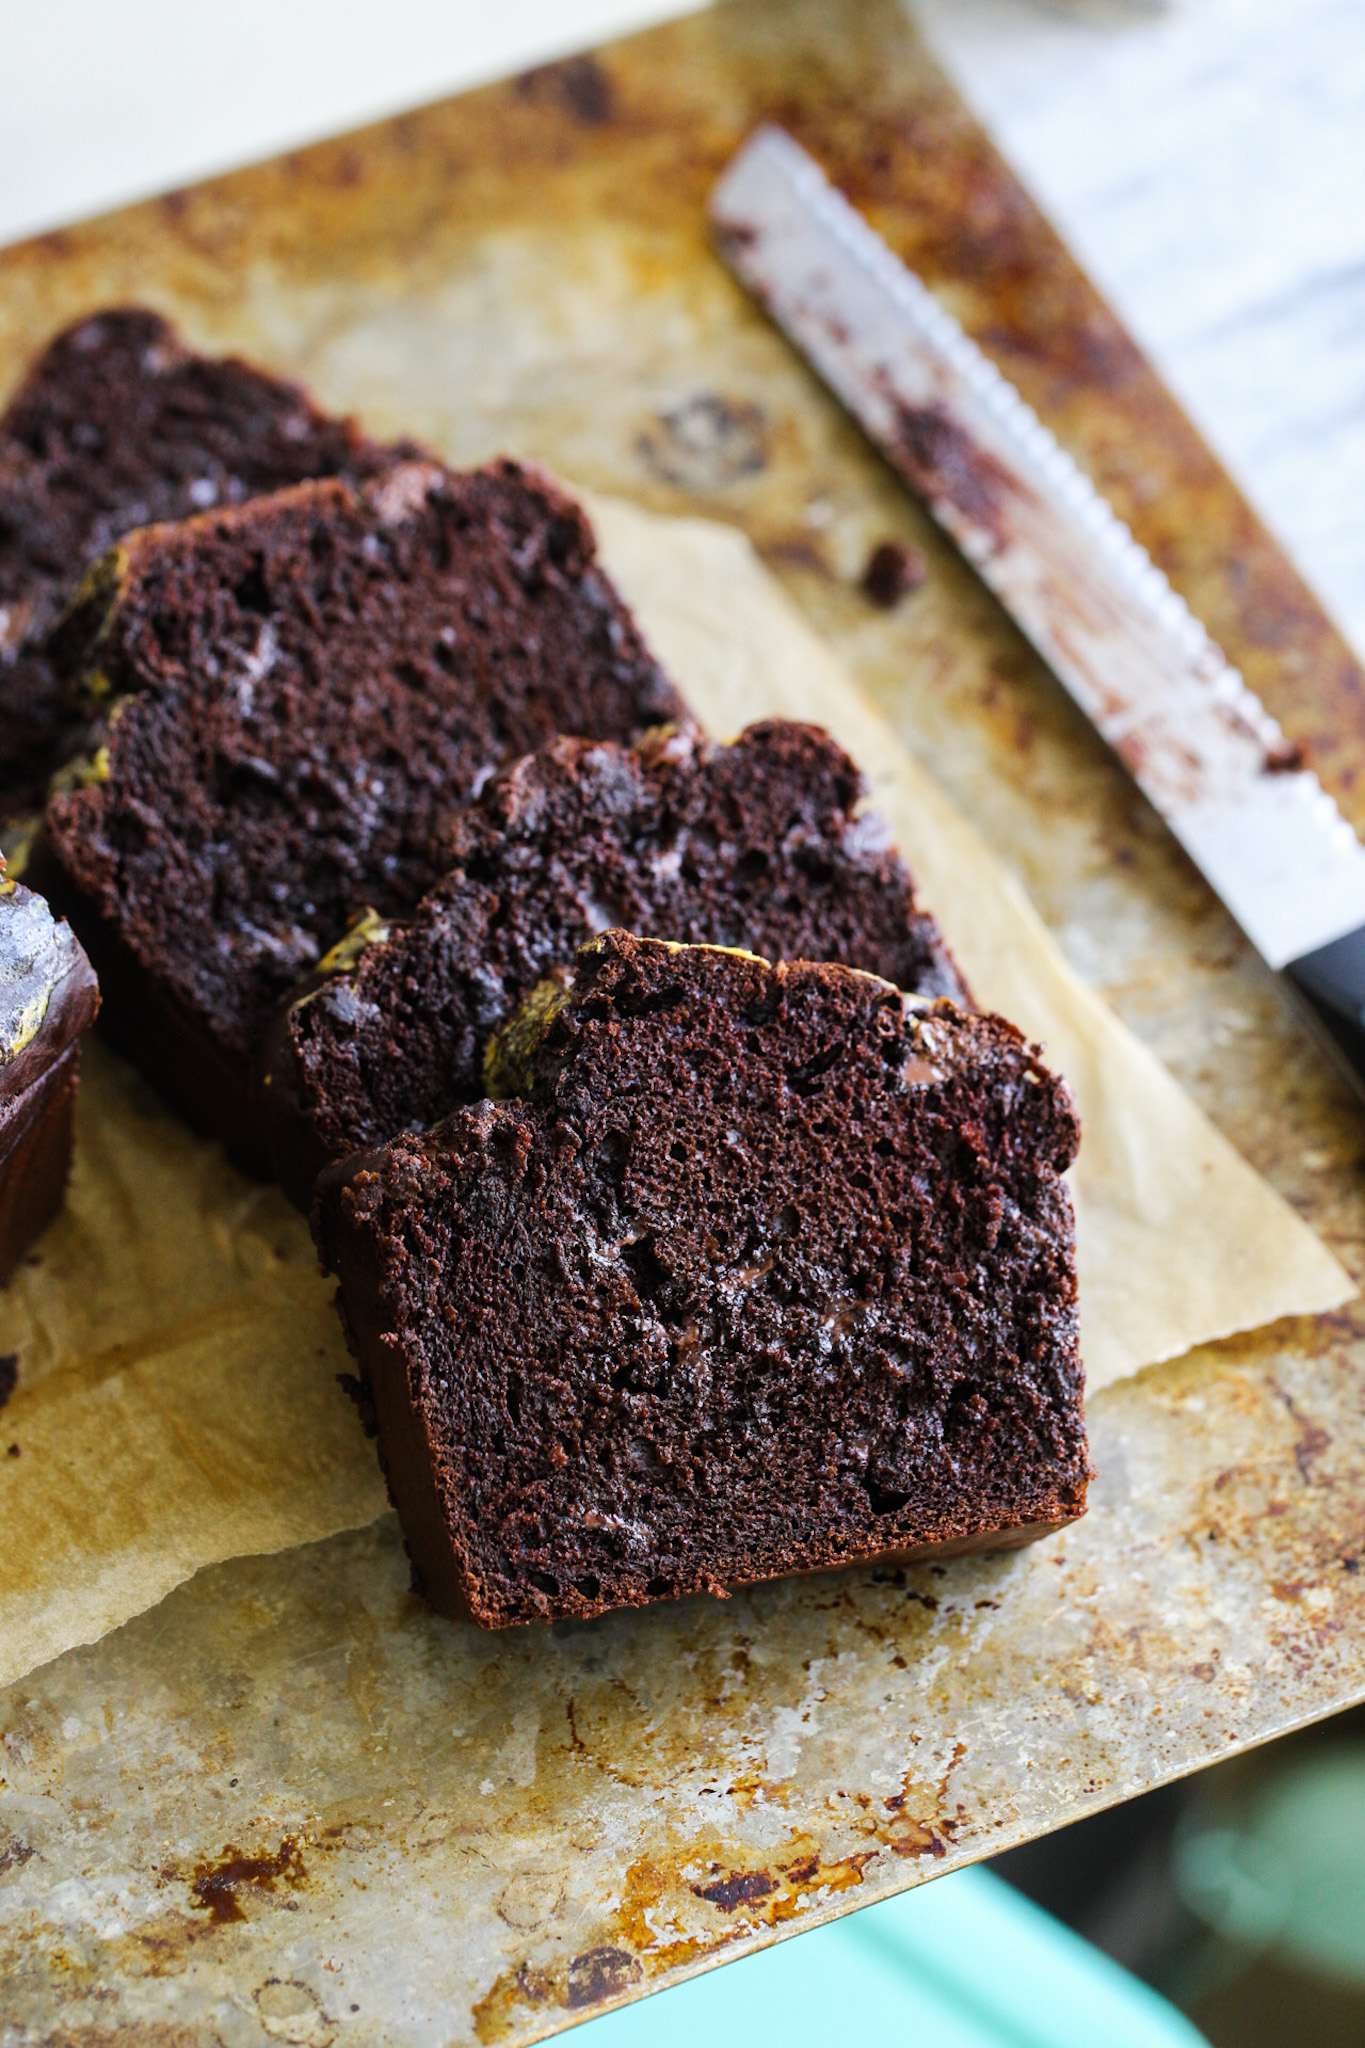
(1096, 607)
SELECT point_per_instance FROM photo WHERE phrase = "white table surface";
(1205, 161)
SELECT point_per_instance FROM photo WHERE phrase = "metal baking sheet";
(287, 1805)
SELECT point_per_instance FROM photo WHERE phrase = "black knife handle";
(1329, 987)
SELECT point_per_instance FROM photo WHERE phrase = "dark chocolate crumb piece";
(894, 569)
(1284, 758)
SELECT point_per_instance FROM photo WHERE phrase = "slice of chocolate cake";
(758, 844)
(119, 424)
(771, 1269)
(301, 692)
(47, 997)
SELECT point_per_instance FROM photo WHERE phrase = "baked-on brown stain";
(632, 1948)
(581, 84)
(636, 1944)
(739, 1888)
(216, 1885)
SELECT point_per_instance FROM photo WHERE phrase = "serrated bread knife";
(1214, 763)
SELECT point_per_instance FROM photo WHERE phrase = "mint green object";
(965, 1962)
(1279, 1864)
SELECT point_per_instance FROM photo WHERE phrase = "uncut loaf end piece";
(298, 693)
(770, 1268)
(47, 998)
(762, 843)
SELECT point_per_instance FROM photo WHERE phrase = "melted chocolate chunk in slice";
(118, 424)
(47, 997)
(758, 844)
(771, 1269)
(300, 693)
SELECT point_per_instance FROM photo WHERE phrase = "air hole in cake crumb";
(764, 1009)
(680, 1153)
(883, 1148)
(251, 593)
(788, 1221)
(652, 1002)
(613, 1152)
(660, 1589)
(514, 1401)
(803, 1079)
(751, 866)
(885, 1500)
(589, 1587)
(544, 1582)
(647, 1269)
(965, 1405)
(817, 866)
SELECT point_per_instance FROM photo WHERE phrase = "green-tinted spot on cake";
(509, 1057)
(21, 1027)
(93, 603)
(369, 929)
(16, 848)
(82, 772)
(86, 771)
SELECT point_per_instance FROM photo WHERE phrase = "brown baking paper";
(177, 1400)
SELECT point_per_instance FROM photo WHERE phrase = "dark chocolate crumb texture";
(298, 694)
(47, 997)
(118, 424)
(760, 844)
(771, 1269)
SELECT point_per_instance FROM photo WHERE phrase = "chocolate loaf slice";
(757, 844)
(47, 997)
(771, 1269)
(300, 692)
(118, 424)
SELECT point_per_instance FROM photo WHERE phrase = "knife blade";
(1199, 743)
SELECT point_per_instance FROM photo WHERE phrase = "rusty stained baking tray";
(288, 1804)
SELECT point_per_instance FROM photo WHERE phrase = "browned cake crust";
(760, 844)
(300, 692)
(118, 424)
(771, 1270)
(47, 998)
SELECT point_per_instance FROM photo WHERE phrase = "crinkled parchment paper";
(177, 1400)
